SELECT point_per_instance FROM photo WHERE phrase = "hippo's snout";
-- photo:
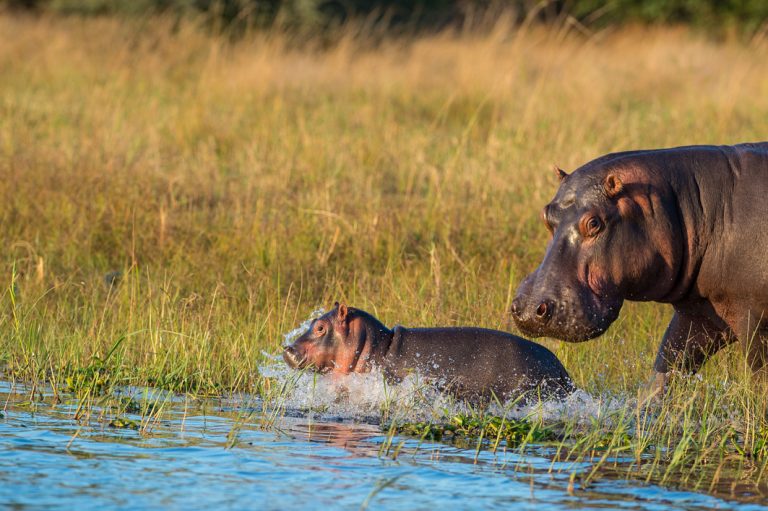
(569, 313)
(532, 316)
(292, 357)
(531, 313)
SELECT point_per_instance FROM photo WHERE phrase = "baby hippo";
(471, 363)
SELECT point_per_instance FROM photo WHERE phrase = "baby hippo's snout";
(292, 357)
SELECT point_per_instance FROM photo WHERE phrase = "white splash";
(367, 397)
(294, 334)
(579, 407)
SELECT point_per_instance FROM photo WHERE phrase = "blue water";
(187, 461)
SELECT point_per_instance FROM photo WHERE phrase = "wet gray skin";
(685, 226)
(473, 363)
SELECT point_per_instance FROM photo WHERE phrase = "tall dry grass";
(238, 186)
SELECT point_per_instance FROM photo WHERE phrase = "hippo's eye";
(320, 329)
(591, 226)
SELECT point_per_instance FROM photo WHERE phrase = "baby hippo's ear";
(612, 185)
(341, 312)
(341, 321)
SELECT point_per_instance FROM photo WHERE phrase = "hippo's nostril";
(544, 311)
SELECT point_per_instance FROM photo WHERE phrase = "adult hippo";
(686, 226)
(472, 363)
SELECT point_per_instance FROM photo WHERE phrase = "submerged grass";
(171, 203)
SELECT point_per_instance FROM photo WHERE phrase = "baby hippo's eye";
(320, 329)
(591, 226)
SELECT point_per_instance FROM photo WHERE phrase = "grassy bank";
(172, 203)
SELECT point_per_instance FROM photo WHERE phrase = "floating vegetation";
(125, 423)
(462, 428)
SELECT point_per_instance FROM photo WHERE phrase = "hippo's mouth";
(293, 359)
(296, 360)
(571, 328)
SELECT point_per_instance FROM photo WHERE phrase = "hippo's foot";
(654, 390)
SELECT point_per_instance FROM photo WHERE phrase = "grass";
(171, 203)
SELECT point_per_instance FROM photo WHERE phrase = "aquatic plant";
(462, 428)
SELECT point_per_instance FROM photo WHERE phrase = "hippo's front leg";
(688, 342)
(752, 330)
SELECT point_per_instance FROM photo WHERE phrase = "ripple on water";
(48, 460)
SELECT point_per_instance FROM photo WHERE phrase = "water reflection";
(190, 460)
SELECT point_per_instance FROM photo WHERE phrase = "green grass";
(237, 187)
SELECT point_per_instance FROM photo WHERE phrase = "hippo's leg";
(757, 354)
(753, 333)
(688, 342)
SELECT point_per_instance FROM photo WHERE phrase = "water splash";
(579, 407)
(294, 334)
(362, 397)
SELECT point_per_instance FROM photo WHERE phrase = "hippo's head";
(612, 237)
(339, 341)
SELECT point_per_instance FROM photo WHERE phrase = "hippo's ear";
(612, 185)
(341, 312)
(560, 173)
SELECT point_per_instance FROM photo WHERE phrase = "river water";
(236, 453)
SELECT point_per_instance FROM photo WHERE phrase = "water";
(189, 459)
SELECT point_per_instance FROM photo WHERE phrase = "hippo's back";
(480, 361)
(750, 155)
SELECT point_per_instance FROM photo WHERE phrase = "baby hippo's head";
(334, 342)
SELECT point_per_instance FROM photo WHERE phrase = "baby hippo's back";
(478, 362)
